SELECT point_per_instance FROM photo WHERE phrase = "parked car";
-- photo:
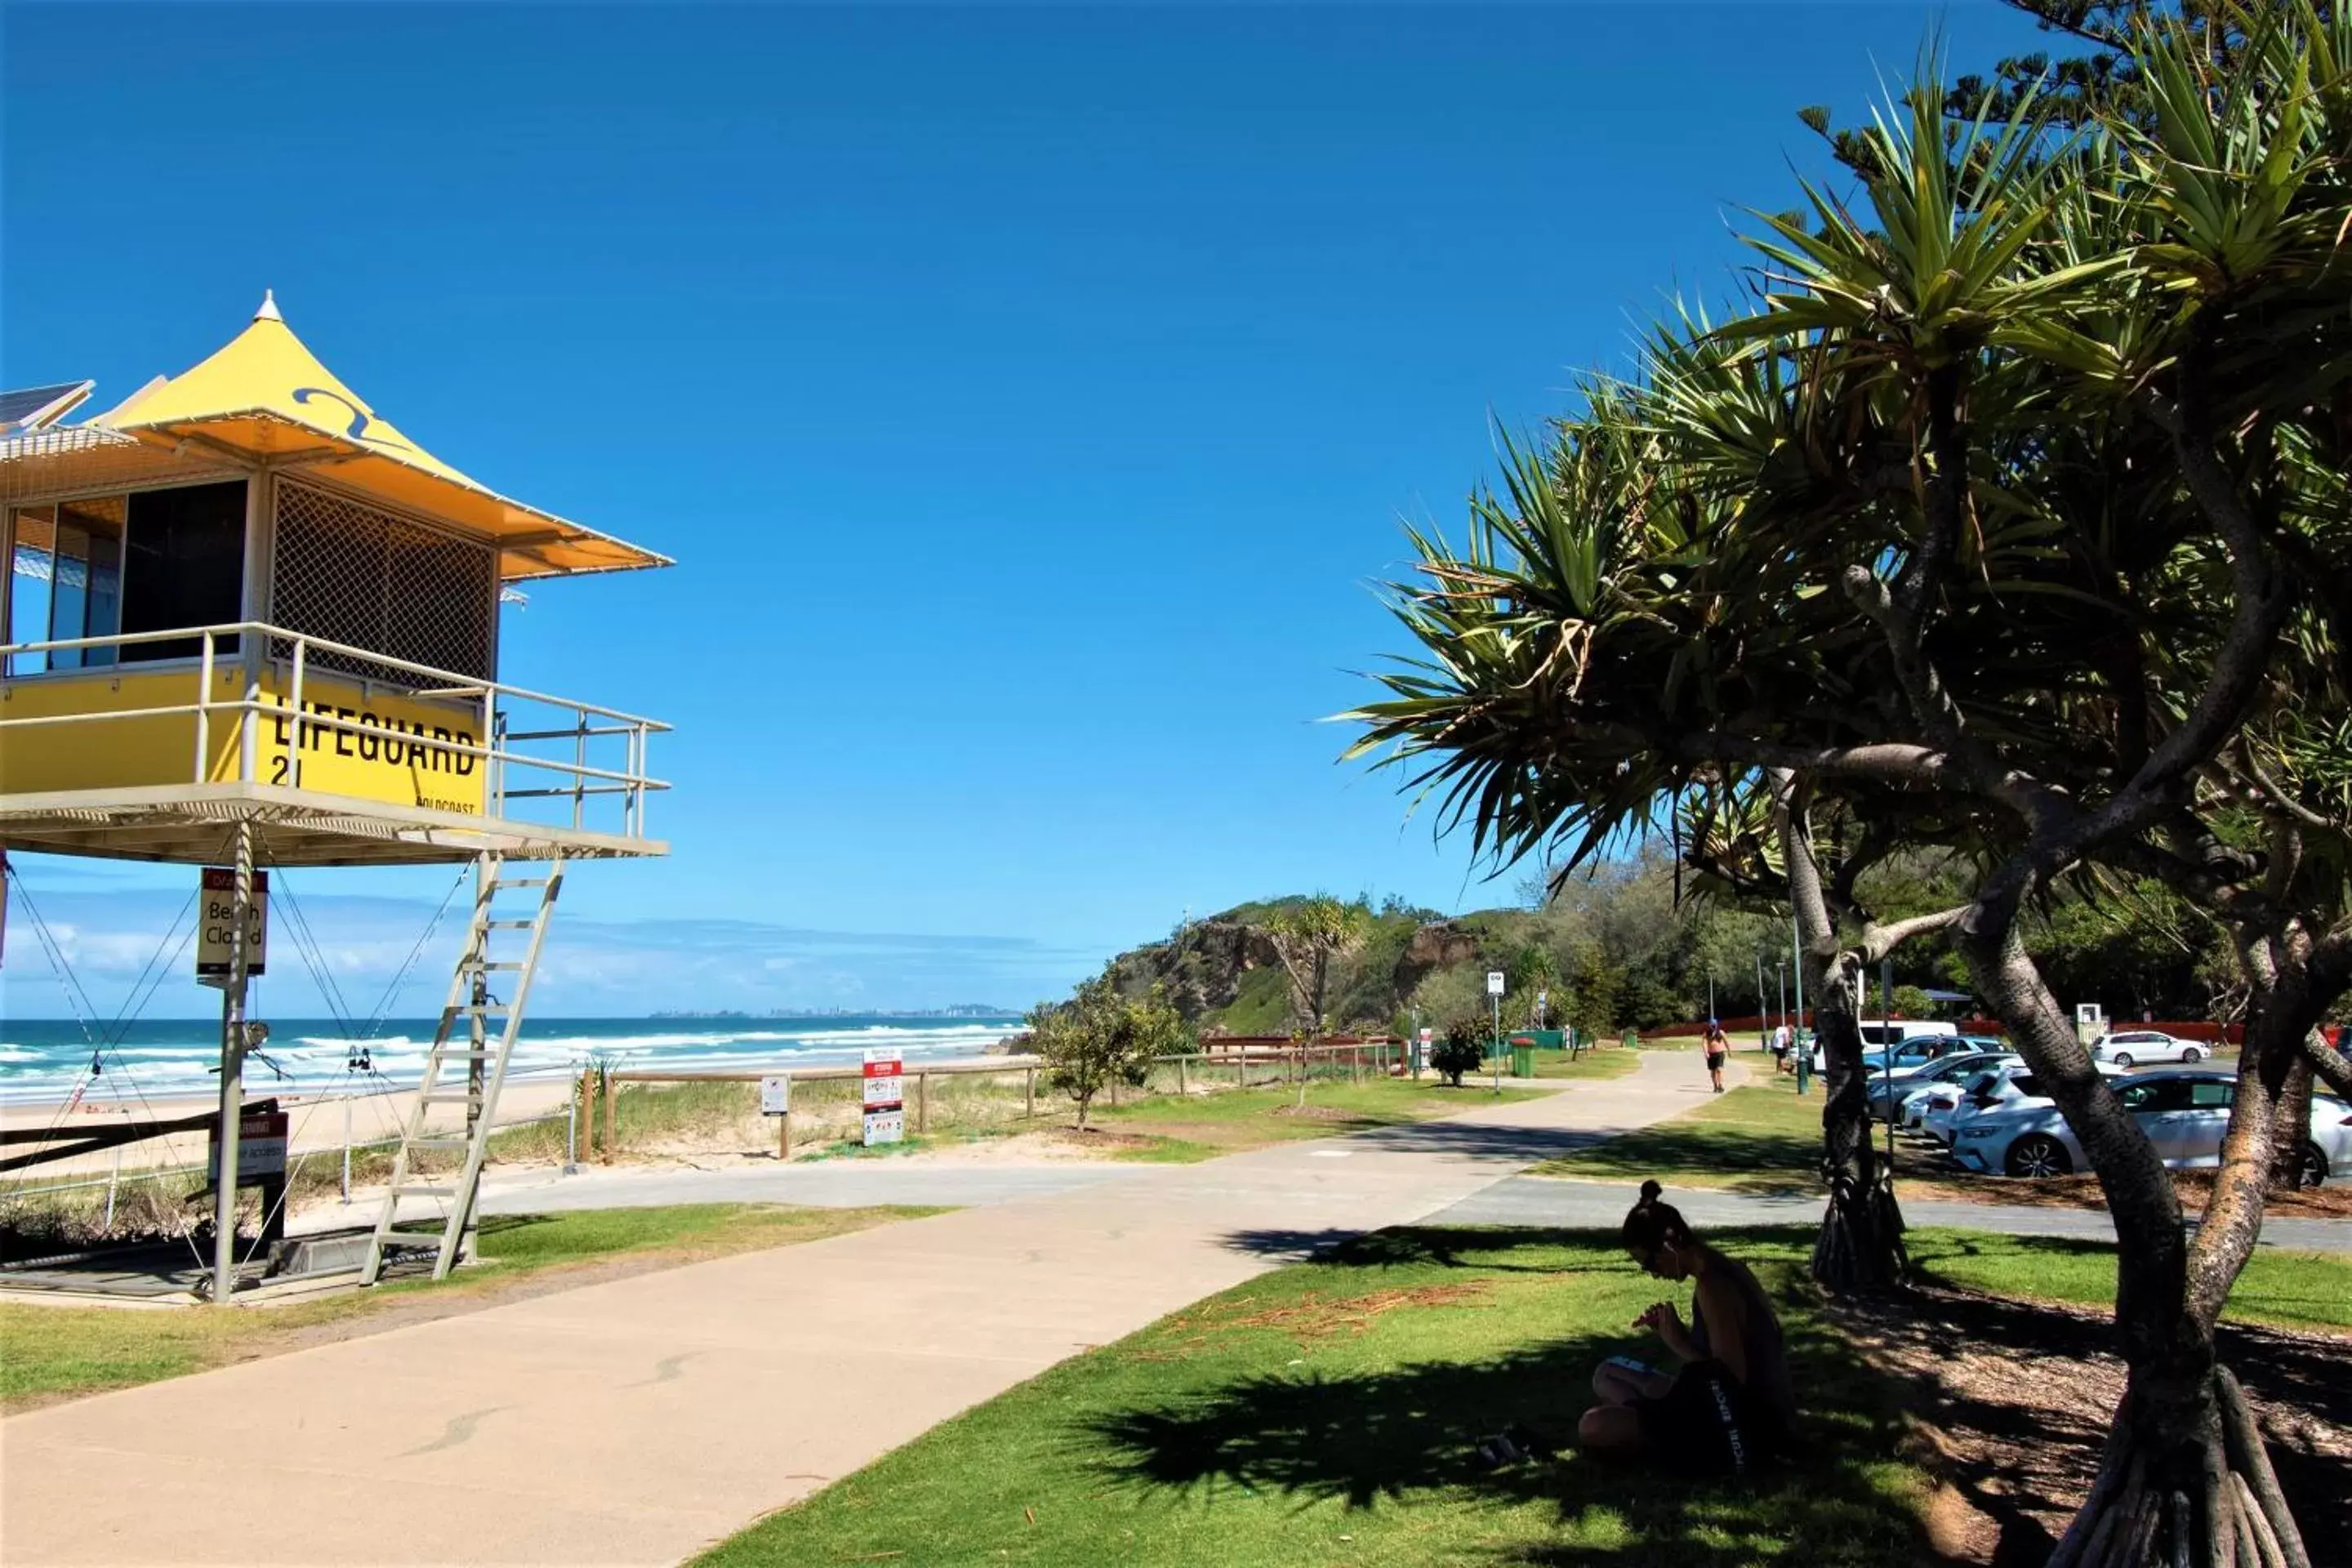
(1890, 1095)
(2130, 1049)
(1920, 1040)
(2184, 1113)
(2002, 1084)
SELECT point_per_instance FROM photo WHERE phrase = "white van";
(1885, 1037)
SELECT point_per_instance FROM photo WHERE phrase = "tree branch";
(1878, 940)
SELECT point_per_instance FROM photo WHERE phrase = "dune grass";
(48, 1353)
(1328, 1413)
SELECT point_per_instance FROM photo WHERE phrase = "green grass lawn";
(1326, 1412)
(1759, 1139)
(1173, 1129)
(48, 1353)
(2287, 1290)
(1588, 1066)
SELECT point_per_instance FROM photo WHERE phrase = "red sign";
(260, 1148)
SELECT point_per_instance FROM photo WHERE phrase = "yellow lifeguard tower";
(251, 623)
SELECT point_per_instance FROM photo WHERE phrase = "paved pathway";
(1541, 1200)
(634, 1421)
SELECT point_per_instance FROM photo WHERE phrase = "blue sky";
(1029, 397)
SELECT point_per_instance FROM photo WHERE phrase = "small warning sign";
(216, 925)
(260, 1148)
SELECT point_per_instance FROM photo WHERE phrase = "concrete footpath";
(636, 1421)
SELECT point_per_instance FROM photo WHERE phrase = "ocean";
(45, 1060)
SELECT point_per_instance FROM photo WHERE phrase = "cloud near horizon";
(108, 938)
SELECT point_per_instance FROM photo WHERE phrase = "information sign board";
(886, 1116)
(260, 1148)
(776, 1095)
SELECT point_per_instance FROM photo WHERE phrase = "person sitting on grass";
(1730, 1405)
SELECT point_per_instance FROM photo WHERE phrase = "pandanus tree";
(2014, 520)
(1763, 840)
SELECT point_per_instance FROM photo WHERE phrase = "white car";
(2128, 1048)
(1996, 1086)
(2184, 1113)
(1891, 1096)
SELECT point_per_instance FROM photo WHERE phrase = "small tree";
(1535, 974)
(1100, 1037)
(1462, 1050)
(1309, 935)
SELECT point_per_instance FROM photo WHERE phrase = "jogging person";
(1718, 1046)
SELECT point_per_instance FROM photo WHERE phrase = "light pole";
(1763, 1028)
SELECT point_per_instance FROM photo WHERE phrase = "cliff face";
(1203, 968)
(1226, 972)
(1440, 945)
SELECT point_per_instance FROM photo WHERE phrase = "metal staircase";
(466, 1037)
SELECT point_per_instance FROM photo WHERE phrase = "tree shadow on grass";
(2294, 1379)
(1385, 1438)
(1471, 1246)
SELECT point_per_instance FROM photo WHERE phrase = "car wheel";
(2192, 1054)
(2311, 1171)
(2123, 1060)
(2039, 1154)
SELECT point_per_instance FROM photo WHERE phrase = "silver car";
(2184, 1113)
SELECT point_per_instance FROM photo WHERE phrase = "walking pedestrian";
(1718, 1046)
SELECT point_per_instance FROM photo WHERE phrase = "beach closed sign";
(885, 1097)
(216, 927)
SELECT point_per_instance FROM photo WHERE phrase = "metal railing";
(255, 655)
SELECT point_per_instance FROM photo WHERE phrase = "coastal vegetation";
(1100, 1037)
(2000, 521)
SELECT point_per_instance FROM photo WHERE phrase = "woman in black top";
(1730, 1405)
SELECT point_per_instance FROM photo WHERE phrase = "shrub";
(1461, 1050)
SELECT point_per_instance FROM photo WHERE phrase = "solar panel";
(38, 408)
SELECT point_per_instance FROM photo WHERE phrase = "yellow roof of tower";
(264, 395)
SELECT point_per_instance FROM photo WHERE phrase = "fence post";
(784, 1136)
(1029, 1094)
(922, 1102)
(113, 1180)
(1114, 1091)
(612, 1127)
(1181, 1090)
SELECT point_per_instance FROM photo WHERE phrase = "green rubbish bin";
(1523, 1057)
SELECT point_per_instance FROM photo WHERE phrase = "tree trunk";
(2184, 1480)
(2291, 1137)
(1861, 1243)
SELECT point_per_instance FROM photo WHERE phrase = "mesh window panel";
(351, 574)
